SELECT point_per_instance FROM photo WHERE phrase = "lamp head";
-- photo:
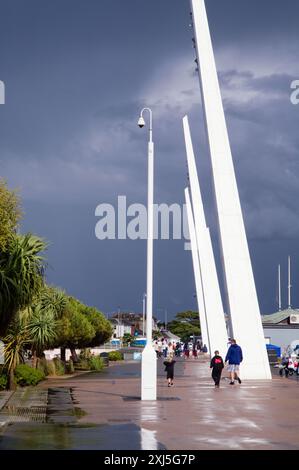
(141, 122)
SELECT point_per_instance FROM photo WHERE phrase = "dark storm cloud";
(77, 74)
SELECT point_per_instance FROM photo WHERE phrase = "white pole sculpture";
(279, 289)
(149, 357)
(211, 291)
(143, 313)
(240, 287)
(197, 273)
(289, 283)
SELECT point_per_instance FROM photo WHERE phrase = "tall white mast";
(279, 289)
(197, 274)
(241, 292)
(211, 291)
(289, 283)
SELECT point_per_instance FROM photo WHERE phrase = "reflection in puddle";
(148, 440)
(129, 436)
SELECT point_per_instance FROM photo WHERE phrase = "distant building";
(282, 327)
(131, 323)
(121, 327)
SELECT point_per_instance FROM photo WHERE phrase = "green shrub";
(83, 364)
(3, 381)
(96, 363)
(51, 368)
(84, 354)
(42, 365)
(26, 375)
(59, 366)
(70, 367)
(115, 356)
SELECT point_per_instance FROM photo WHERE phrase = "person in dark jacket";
(169, 369)
(186, 350)
(217, 366)
(234, 357)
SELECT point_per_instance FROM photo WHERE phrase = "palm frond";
(21, 275)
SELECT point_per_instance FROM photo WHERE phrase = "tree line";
(185, 324)
(33, 315)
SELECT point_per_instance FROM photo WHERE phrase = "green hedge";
(3, 381)
(115, 356)
(70, 367)
(26, 375)
(59, 366)
(42, 365)
(96, 363)
(83, 364)
(51, 368)
(92, 363)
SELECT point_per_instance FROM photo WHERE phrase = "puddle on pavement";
(63, 430)
(129, 436)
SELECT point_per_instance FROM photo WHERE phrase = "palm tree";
(21, 276)
(15, 343)
(37, 332)
(41, 330)
(53, 299)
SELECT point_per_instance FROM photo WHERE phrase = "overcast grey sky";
(77, 74)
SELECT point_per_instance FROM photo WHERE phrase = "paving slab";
(191, 415)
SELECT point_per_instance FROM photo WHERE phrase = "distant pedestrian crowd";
(188, 350)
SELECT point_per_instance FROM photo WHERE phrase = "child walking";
(169, 369)
(216, 366)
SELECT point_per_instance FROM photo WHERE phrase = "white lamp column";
(149, 358)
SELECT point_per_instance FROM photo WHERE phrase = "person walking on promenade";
(159, 347)
(156, 347)
(217, 366)
(186, 350)
(170, 348)
(190, 346)
(234, 357)
(169, 369)
(165, 347)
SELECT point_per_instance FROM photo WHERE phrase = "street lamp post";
(143, 313)
(149, 359)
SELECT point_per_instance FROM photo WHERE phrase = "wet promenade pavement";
(103, 411)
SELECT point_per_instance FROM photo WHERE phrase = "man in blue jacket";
(234, 357)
